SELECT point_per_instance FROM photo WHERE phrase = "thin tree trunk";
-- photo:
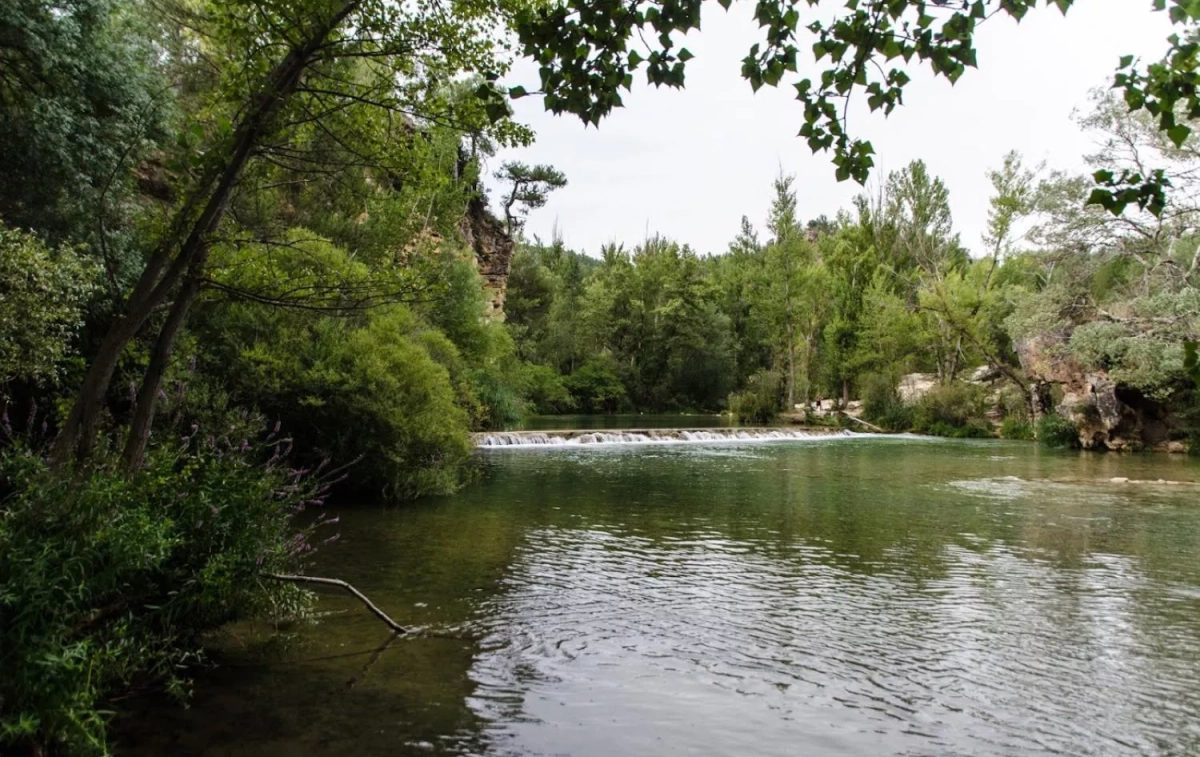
(953, 371)
(147, 401)
(78, 434)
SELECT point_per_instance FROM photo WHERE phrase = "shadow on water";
(856, 597)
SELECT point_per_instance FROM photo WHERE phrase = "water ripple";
(709, 643)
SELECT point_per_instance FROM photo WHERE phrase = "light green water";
(849, 597)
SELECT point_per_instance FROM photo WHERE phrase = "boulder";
(984, 374)
(1109, 415)
(913, 386)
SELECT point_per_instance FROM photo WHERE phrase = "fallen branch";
(860, 420)
(342, 584)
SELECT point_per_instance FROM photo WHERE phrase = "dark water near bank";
(848, 597)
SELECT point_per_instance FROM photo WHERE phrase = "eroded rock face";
(1109, 415)
(493, 250)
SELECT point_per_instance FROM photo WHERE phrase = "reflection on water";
(870, 597)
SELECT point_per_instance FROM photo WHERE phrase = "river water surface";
(858, 596)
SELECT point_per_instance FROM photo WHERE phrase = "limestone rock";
(493, 249)
(913, 386)
(984, 374)
(1109, 415)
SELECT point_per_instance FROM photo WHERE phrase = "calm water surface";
(853, 597)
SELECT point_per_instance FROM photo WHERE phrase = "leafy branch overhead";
(588, 52)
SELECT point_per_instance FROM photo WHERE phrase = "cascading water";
(509, 439)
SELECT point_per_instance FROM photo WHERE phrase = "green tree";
(529, 188)
(44, 295)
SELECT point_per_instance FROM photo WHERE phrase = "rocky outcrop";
(914, 386)
(493, 249)
(1109, 415)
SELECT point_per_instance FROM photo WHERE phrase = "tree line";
(841, 308)
(235, 282)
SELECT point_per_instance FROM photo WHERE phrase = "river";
(846, 596)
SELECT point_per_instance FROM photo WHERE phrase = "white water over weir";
(656, 436)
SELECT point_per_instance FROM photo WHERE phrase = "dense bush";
(365, 388)
(43, 294)
(956, 409)
(596, 387)
(546, 391)
(1057, 432)
(108, 580)
(882, 405)
(759, 401)
(1015, 428)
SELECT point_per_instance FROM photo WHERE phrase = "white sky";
(689, 164)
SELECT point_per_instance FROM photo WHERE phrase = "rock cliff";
(493, 249)
(1109, 415)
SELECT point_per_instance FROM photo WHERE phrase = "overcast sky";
(689, 164)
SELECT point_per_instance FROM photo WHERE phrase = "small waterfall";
(509, 439)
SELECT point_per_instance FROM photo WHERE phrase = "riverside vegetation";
(238, 265)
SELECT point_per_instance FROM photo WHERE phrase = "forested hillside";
(1064, 305)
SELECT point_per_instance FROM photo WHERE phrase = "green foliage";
(43, 296)
(110, 578)
(349, 389)
(956, 409)
(1015, 428)
(759, 401)
(596, 387)
(82, 102)
(547, 391)
(882, 405)
(529, 188)
(1057, 432)
(586, 58)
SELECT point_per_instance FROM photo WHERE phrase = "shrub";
(759, 401)
(1057, 432)
(970, 430)
(110, 578)
(1014, 428)
(351, 388)
(956, 405)
(43, 295)
(882, 405)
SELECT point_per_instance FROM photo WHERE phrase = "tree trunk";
(952, 372)
(147, 400)
(1037, 406)
(77, 437)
